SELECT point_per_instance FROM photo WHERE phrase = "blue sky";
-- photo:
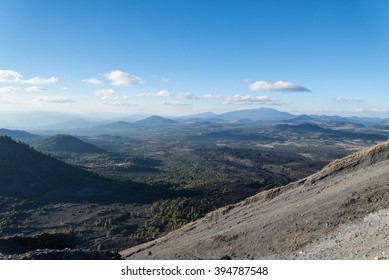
(181, 57)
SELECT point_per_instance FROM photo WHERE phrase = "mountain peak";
(66, 143)
(156, 120)
(261, 114)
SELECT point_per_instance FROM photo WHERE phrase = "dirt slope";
(341, 212)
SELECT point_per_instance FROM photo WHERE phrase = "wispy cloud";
(57, 100)
(120, 78)
(112, 98)
(93, 81)
(104, 92)
(180, 95)
(35, 89)
(351, 100)
(120, 104)
(117, 100)
(161, 79)
(189, 95)
(142, 94)
(163, 93)
(11, 76)
(250, 100)
(277, 86)
(176, 104)
(41, 81)
(9, 89)
(206, 96)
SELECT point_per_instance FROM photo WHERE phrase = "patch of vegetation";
(167, 215)
(185, 170)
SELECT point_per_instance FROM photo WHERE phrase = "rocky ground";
(46, 246)
(341, 212)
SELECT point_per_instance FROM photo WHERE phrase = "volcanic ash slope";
(340, 212)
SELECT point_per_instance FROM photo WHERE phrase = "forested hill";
(66, 143)
(27, 173)
(19, 135)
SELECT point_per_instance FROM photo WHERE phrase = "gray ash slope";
(340, 212)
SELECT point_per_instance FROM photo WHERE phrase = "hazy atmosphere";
(192, 129)
(182, 57)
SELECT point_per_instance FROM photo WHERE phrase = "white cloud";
(142, 94)
(9, 89)
(114, 99)
(40, 81)
(93, 81)
(162, 93)
(189, 95)
(176, 104)
(57, 100)
(205, 96)
(120, 78)
(277, 86)
(104, 92)
(182, 95)
(250, 100)
(120, 103)
(35, 89)
(10, 76)
(342, 99)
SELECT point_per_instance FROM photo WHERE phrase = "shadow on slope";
(26, 173)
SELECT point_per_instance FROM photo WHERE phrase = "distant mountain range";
(309, 128)
(52, 122)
